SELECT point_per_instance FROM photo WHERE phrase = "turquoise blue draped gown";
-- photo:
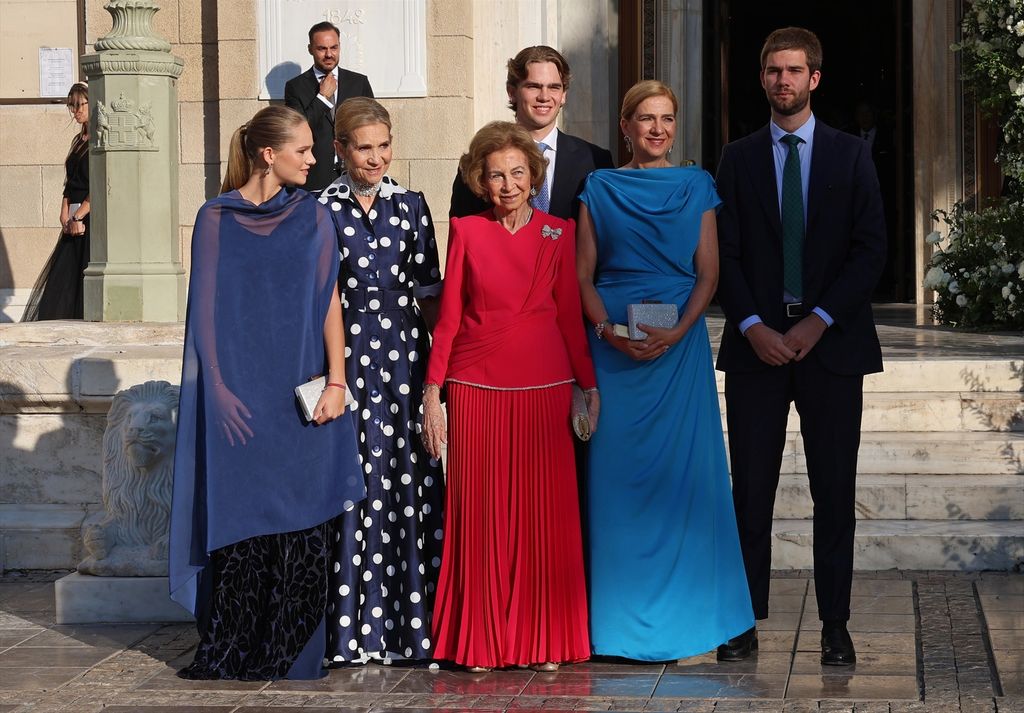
(666, 572)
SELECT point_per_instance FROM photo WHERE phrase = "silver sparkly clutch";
(309, 393)
(653, 314)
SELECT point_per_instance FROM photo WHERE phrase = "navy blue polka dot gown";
(387, 548)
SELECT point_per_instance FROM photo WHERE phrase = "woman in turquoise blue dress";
(666, 572)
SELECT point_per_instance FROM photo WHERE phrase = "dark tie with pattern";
(543, 200)
(792, 219)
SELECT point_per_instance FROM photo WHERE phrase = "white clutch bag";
(309, 393)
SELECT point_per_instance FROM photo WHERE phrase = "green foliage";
(992, 58)
(977, 270)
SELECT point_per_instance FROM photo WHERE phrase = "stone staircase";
(941, 470)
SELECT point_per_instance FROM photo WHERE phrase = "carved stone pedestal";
(84, 599)
(135, 271)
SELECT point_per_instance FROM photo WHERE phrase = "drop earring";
(533, 191)
(629, 144)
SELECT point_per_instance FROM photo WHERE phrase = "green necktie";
(792, 219)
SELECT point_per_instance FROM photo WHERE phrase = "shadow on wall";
(6, 283)
(51, 458)
(279, 75)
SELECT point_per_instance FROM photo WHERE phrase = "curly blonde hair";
(497, 136)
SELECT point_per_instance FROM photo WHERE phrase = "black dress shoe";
(739, 648)
(836, 645)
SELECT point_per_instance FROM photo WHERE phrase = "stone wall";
(217, 92)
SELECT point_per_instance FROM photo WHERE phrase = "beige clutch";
(580, 418)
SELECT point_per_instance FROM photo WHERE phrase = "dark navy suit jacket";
(844, 248)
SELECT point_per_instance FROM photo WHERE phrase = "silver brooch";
(548, 232)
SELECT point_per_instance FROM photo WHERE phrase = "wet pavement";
(926, 641)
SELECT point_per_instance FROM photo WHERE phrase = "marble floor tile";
(760, 662)
(869, 623)
(355, 679)
(14, 637)
(165, 679)
(780, 621)
(881, 587)
(868, 604)
(106, 635)
(1013, 683)
(721, 686)
(175, 709)
(786, 603)
(1009, 661)
(775, 641)
(853, 686)
(41, 678)
(614, 665)
(591, 684)
(494, 683)
(788, 586)
(1005, 619)
(992, 585)
(25, 657)
(809, 662)
(1002, 602)
(1008, 639)
(902, 643)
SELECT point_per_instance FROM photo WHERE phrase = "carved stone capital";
(116, 62)
(132, 27)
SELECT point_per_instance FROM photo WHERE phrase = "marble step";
(932, 411)
(918, 453)
(959, 545)
(916, 497)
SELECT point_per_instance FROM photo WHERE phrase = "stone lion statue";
(129, 539)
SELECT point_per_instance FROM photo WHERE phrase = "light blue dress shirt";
(779, 152)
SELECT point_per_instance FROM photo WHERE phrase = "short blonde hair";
(356, 113)
(641, 91)
(497, 136)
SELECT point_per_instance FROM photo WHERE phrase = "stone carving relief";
(123, 127)
(129, 539)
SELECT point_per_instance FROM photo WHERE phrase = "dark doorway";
(865, 83)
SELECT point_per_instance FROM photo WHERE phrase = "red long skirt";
(511, 589)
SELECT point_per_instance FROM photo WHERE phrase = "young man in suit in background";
(802, 244)
(537, 84)
(316, 94)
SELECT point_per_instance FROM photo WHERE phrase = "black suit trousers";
(830, 407)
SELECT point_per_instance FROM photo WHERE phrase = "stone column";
(135, 272)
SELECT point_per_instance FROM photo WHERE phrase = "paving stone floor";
(926, 641)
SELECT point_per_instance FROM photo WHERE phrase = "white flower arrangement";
(977, 270)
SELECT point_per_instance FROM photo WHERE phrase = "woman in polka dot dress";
(386, 549)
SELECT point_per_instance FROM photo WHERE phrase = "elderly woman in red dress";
(508, 346)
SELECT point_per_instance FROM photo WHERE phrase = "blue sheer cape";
(261, 283)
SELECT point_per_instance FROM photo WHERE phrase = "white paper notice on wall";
(56, 71)
(384, 39)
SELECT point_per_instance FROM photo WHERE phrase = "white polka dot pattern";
(386, 556)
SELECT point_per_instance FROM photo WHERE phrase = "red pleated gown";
(508, 345)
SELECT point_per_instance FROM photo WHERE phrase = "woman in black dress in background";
(57, 293)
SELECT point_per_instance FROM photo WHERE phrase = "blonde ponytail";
(239, 165)
(271, 127)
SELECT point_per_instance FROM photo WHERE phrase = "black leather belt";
(795, 309)
(377, 300)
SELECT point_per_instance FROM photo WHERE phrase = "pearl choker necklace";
(365, 189)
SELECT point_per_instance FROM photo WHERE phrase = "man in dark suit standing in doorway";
(802, 244)
(537, 85)
(316, 94)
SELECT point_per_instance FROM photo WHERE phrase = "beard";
(790, 106)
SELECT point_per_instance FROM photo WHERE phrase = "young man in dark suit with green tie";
(802, 244)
